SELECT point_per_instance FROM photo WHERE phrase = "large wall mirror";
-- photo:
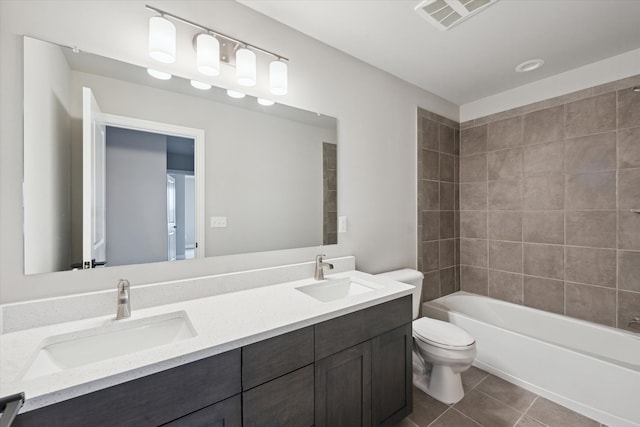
(122, 168)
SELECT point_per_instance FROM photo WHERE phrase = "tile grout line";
(617, 302)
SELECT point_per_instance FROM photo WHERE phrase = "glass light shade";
(162, 40)
(200, 85)
(245, 67)
(208, 55)
(161, 75)
(278, 78)
(265, 102)
(235, 94)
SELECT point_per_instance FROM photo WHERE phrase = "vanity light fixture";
(162, 40)
(200, 85)
(208, 54)
(265, 102)
(213, 47)
(161, 75)
(235, 94)
(530, 65)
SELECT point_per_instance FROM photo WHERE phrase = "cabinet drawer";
(346, 331)
(148, 401)
(272, 358)
(284, 402)
(227, 413)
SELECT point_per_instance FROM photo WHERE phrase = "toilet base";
(442, 383)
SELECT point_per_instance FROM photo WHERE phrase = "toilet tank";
(410, 277)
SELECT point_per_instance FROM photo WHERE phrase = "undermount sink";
(117, 338)
(335, 289)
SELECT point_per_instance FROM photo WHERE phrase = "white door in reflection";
(171, 217)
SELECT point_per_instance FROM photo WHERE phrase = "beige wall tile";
(447, 139)
(505, 163)
(629, 188)
(473, 140)
(430, 225)
(544, 159)
(629, 271)
(446, 253)
(629, 148)
(430, 134)
(628, 308)
(430, 255)
(505, 286)
(474, 280)
(595, 229)
(473, 224)
(447, 226)
(431, 285)
(473, 196)
(447, 196)
(430, 196)
(543, 227)
(505, 133)
(591, 191)
(473, 168)
(591, 303)
(447, 281)
(593, 153)
(505, 194)
(544, 125)
(628, 108)
(430, 165)
(473, 252)
(592, 115)
(543, 192)
(591, 266)
(544, 261)
(506, 256)
(447, 168)
(505, 225)
(629, 230)
(545, 294)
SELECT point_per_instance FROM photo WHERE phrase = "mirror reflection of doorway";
(147, 218)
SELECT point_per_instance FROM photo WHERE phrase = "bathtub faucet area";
(635, 323)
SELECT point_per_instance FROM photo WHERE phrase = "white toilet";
(441, 350)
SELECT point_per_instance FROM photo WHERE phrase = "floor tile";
(529, 422)
(406, 422)
(425, 408)
(514, 396)
(453, 418)
(486, 410)
(554, 415)
(471, 377)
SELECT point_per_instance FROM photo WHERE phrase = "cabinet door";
(343, 388)
(391, 389)
(227, 413)
(284, 402)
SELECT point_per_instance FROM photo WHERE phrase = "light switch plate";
(342, 224)
(218, 222)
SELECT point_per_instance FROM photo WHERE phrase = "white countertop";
(222, 322)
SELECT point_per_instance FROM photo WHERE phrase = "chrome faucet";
(635, 323)
(320, 264)
(124, 304)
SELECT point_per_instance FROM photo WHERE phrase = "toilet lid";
(441, 333)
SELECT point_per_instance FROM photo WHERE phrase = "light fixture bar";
(216, 33)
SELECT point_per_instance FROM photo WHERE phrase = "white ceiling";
(476, 58)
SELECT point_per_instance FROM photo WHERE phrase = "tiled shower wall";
(438, 246)
(546, 193)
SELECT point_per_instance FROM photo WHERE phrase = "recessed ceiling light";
(530, 65)
(158, 74)
(265, 102)
(200, 85)
(235, 94)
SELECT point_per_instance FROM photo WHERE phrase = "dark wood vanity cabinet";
(354, 370)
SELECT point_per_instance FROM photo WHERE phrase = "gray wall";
(545, 198)
(136, 197)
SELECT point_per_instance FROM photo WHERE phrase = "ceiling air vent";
(444, 14)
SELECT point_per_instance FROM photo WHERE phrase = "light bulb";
(161, 75)
(235, 94)
(200, 85)
(265, 102)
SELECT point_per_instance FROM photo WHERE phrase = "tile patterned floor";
(492, 402)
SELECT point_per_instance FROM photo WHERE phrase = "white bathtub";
(592, 369)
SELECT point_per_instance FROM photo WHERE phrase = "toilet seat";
(442, 334)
